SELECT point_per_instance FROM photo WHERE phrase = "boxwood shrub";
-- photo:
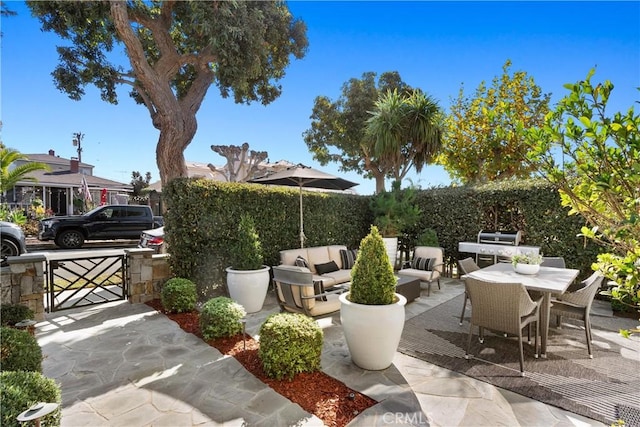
(19, 390)
(10, 314)
(19, 351)
(178, 295)
(221, 317)
(290, 343)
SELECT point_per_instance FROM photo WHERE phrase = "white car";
(13, 241)
(153, 239)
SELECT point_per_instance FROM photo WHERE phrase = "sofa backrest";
(313, 255)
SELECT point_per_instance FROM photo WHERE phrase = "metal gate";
(81, 281)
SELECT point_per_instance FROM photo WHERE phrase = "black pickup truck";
(102, 223)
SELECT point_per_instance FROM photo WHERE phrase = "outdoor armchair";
(466, 266)
(502, 307)
(426, 265)
(297, 292)
(576, 304)
(553, 261)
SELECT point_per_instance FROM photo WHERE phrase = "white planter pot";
(248, 287)
(527, 268)
(391, 244)
(372, 332)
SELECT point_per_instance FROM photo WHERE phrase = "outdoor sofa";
(330, 265)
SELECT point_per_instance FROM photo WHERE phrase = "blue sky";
(436, 46)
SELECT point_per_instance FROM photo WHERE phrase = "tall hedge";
(202, 215)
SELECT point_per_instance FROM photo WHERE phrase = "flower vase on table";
(526, 263)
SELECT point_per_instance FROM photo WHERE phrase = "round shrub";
(290, 343)
(10, 314)
(20, 390)
(220, 317)
(179, 295)
(19, 351)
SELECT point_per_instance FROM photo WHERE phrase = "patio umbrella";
(305, 176)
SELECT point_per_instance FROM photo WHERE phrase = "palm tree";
(9, 176)
(407, 131)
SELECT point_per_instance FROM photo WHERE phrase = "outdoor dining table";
(548, 280)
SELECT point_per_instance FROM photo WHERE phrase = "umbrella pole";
(302, 236)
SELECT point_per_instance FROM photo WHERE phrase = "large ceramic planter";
(527, 268)
(391, 245)
(372, 332)
(248, 287)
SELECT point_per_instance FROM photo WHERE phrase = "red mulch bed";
(317, 393)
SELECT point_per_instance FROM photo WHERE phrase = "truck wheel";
(70, 239)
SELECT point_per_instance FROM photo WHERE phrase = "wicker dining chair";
(466, 266)
(553, 261)
(502, 307)
(576, 304)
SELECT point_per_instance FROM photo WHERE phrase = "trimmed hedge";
(202, 216)
(20, 390)
(221, 317)
(19, 351)
(10, 314)
(178, 295)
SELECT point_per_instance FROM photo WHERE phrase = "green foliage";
(290, 343)
(526, 259)
(220, 317)
(19, 351)
(246, 249)
(372, 278)
(599, 177)
(20, 390)
(394, 210)
(10, 314)
(483, 140)
(179, 295)
(10, 174)
(139, 183)
(176, 50)
(429, 237)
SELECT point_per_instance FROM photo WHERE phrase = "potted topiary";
(248, 277)
(526, 263)
(372, 313)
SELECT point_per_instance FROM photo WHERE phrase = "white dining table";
(548, 280)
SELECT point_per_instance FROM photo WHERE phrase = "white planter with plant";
(526, 263)
(372, 313)
(247, 278)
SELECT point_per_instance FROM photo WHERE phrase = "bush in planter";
(220, 317)
(10, 314)
(19, 351)
(246, 249)
(290, 343)
(20, 390)
(395, 210)
(372, 278)
(179, 295)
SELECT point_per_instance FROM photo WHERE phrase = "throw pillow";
(327, 267)
(423, 263)
(318, 289)
(301, 262)
(348, 258)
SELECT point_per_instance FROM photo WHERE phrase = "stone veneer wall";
(23, 281)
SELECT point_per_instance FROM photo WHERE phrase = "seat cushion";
(423, 275)
(337, 277)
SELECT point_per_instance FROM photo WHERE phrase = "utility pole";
(77, 142)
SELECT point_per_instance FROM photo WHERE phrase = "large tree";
(242, 164)
(406, 128)
(483, 139)
(598, 176)
(176, 51)
(338, 130)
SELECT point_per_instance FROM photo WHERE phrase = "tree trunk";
(177, 131)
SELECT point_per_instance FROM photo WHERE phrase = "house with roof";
(60, 188)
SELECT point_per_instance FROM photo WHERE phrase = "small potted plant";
(372, 313)
(248, 277)
(526, 263)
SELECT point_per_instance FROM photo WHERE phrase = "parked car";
(153, 239)
(102, 223)
(12, 240)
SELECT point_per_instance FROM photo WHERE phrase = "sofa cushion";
(348, 258)
(334, 253)
(327, 267)
(301, 262)
(317, 255)
(336, 277)
(288, 257)
(420, 263)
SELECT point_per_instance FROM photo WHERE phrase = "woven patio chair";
(576, 304)
(553, 261)
(426, 265)
(297, 292)
(502, 307)
(466, 266)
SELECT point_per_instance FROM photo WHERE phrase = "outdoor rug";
(600, 388)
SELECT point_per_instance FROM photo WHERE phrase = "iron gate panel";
(82, 281)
